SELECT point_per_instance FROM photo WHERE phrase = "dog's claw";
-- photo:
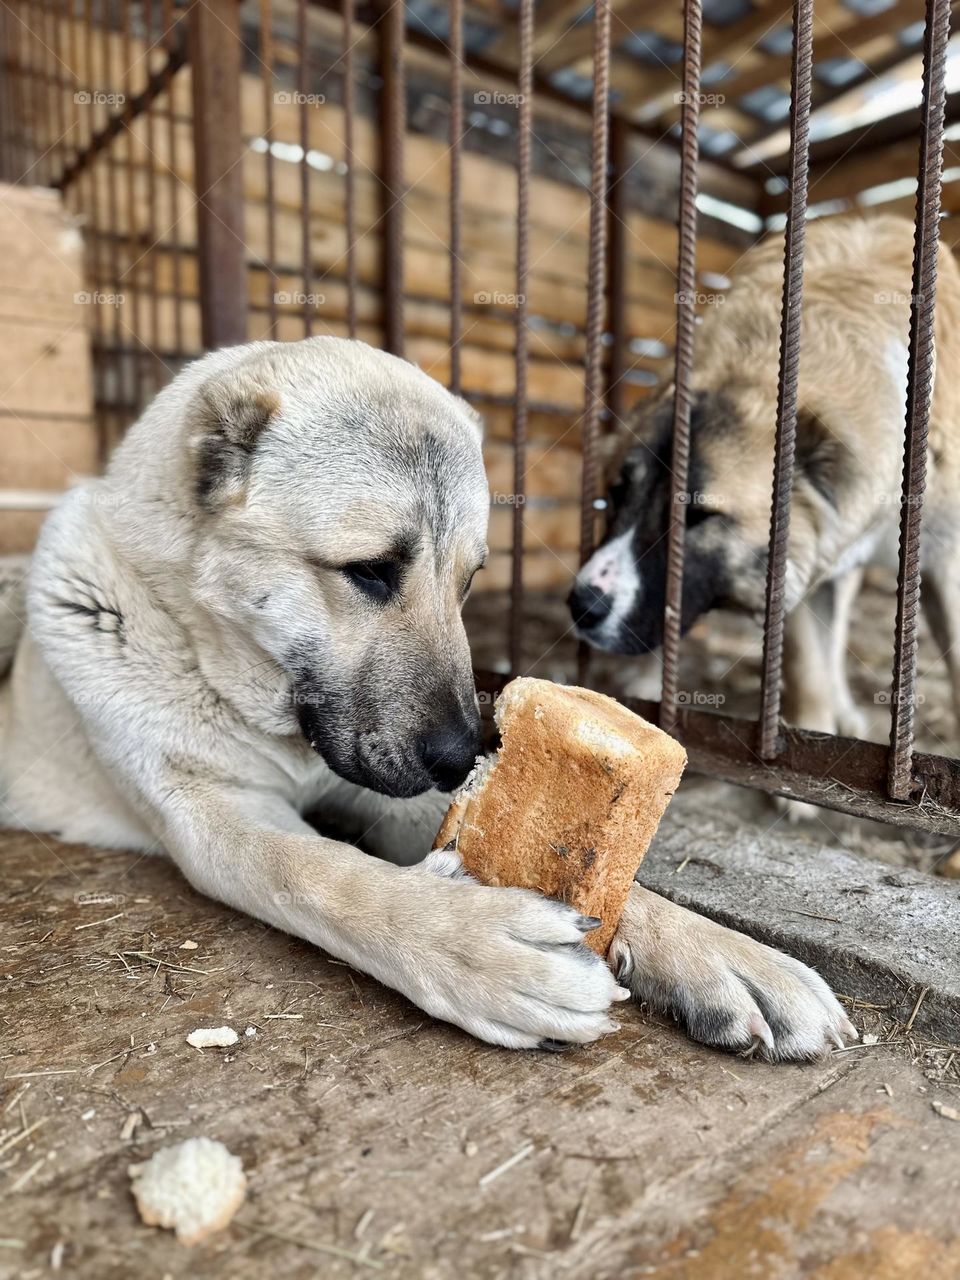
(554, 1046)
(588, 923)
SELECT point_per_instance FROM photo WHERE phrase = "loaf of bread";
(570, 802)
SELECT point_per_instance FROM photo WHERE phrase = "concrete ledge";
(878, 933)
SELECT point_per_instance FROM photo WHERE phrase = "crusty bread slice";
(194, 1187)
(570, 802)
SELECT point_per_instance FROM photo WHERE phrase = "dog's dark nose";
(589, 606)
(450, 752)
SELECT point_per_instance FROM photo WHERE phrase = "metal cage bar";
(393, 126)
(597, 301)
(522, 341)
(919, 396)
(303, 114)
(801, 80)
(350, 176)
(215, 56)
(267, 77)
(683, 369)
(456, 169)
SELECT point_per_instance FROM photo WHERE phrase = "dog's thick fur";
(846, 496)
(254, 615)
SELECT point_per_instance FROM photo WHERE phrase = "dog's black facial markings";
(640, 506)
(343, 721)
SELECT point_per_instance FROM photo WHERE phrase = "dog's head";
(618, 598)
(341, 513)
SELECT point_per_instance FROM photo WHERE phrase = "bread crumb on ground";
(193, 1188)
(212, 1037)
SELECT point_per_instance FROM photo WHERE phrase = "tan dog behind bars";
(846, 497)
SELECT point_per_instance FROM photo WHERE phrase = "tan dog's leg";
(851, 721)
(507, 965)
(807, 692)
(725, 989)
(941, 605)
(817, 691)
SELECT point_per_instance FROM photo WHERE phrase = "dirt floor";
(378, 1141)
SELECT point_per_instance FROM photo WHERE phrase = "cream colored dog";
(255, 614)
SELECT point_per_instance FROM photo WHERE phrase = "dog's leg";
(807, 699)
(507, 965)
(851, 721)
(401, 831)
(817, 692)
(724, 988)
(941, 606)
(807, 696)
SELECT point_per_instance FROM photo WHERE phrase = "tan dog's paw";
(508, 965)
(725, 989)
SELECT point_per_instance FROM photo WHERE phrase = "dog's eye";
(378, 579)
(465, 591)
(617, 494)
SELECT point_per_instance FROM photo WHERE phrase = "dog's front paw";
(725, 989)
(508, 965)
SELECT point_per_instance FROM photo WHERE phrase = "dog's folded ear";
(231, 413)
(822, 459)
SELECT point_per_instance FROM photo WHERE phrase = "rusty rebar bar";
(593, 388)
(303, 90)
(456, 229)
(801, 67)
(172, 40)
(130, 282)
(683, 372)
(393, 125)
(919, 395)
(616, 268)
(350, 176)
(522, 338)
(266, 73)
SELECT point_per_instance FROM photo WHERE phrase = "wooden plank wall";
(46, 407)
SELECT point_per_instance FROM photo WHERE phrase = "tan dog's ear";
(822, 459)
(231, 414)
(612, 450)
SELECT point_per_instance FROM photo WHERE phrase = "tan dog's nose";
(449, 752)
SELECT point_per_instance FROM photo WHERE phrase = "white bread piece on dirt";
(212, 1038)
(570, 802)
(193, 1187)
